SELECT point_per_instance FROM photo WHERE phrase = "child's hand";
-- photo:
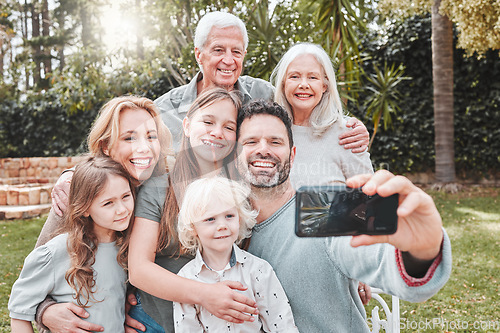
(225, 303)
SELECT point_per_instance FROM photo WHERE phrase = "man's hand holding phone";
(419, 229)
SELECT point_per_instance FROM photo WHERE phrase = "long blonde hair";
(329, 109)
(89, 179)
(106, 129)
(187, 169)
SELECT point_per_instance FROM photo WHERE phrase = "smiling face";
(137, 147)
(112, 208)
(266, 156)
(304, 84)
(212, 131)
(222, 57)
(217, 230)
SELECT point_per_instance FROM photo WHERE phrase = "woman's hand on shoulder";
(224, 301)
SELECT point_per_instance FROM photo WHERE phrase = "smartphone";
(337, 210)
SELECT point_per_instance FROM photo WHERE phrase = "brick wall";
(39, 170)
(29, 180)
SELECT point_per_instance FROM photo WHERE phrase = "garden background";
(61, 60)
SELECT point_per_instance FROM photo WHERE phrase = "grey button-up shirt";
(174, 104)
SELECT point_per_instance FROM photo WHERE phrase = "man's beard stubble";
(265, 181)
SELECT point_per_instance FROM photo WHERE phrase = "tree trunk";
(86, 28)
(24, 18)
(35, 33)
(140, 39)
(442, 74)
(2, 55)
(47, 61)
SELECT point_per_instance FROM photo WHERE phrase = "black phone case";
(336, 210)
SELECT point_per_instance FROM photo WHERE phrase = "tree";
(442, 77)
(382, 102)
(476, 23)
(341, 21)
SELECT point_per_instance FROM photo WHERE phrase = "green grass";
(17, 239)
(471, 296)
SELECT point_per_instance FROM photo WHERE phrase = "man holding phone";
(320, 275)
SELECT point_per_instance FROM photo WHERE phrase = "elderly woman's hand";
(356, 138)
(365, 292)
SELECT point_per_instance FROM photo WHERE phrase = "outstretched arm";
(221, 299)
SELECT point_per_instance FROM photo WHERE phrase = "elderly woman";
(305, 85)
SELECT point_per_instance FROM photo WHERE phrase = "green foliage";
(382, 101)
(409, 146)
(56, 121)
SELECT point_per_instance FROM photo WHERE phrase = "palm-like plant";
(383, 100)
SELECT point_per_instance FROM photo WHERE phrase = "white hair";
(329, 108)
(219, 20)
(201, 195)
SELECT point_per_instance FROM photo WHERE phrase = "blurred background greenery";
(61, 60)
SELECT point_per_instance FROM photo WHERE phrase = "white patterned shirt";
(275, 314)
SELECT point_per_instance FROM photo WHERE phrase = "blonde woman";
(130, 131)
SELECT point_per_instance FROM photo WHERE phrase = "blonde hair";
(90, 177)
(200, 195)
(329, 109)
(106, 128)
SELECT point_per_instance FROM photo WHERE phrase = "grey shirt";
(322, 160)
(43, 275)
(320, 275)
(175, 104)
(149, 205)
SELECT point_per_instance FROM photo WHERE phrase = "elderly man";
(220, 45)
(320, 275)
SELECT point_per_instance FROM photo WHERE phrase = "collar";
(191, 92)
(237, 256)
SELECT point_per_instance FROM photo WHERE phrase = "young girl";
(215, 214)
(207, 148)
(87, 263)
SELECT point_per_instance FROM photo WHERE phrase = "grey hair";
(219, 20)
(329, 109)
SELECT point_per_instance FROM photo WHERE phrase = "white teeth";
(212, 144)
(226, 71)
(263, 164)
(140, 162)
(303, 96)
